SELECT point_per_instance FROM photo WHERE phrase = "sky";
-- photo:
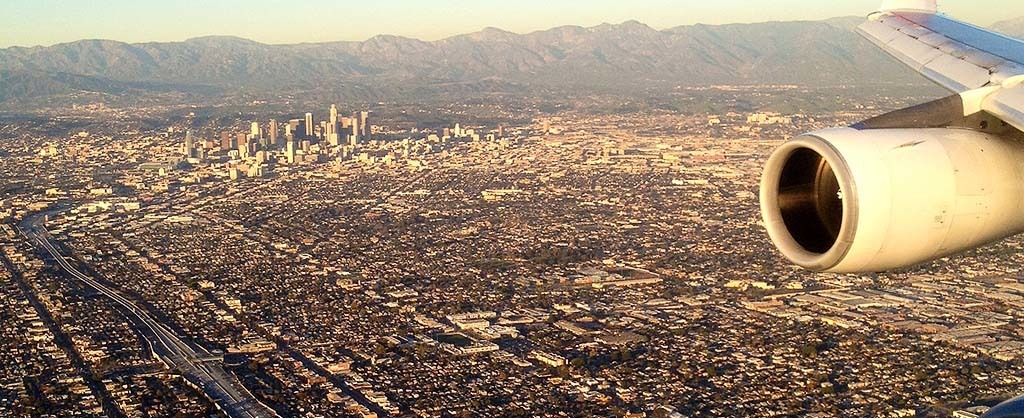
(48, 22)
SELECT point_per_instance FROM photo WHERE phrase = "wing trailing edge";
(985, 67)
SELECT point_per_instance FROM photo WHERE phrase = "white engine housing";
(846, 200)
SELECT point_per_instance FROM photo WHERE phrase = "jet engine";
(864, 200)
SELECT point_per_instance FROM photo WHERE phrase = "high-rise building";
(331, 132)
(354, 138)
(189, 145)
(225, 141)
(243, 148)
(363, 124)
(254, 129)
(290, 151)
(309, 125)
(273, 133)
(501, 131)
(332, 128)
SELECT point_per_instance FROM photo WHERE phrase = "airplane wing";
(958, 56)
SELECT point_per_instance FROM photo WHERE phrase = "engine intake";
(848, 200)
(810, 200)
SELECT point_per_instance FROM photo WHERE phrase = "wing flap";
(937, 40)
(952, 71)
(941, 58)
(878, 32)
(1003, 72)
(958, 56)
(953, 54)
(1008, 105)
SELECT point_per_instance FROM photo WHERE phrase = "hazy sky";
(46, 22)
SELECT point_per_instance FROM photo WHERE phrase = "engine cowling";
(846, 200)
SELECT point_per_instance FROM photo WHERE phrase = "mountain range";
(1012, 27)
(623, 57)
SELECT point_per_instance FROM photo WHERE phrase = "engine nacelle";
(846, 200)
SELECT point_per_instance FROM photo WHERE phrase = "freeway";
(190, 359)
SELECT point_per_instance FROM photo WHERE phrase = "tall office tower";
(243, 149)
(290, 151)
(309, 125)
(346, 123)
(225, 141)
(356, 133)
(458, 131)
(241, 139)
(273, 133)
(333, 127)
(331, 132)
(363, 124)
(255, 129)
(189, 144)
(501, 131)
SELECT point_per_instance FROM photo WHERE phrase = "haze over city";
(48, 22)
(645, 209)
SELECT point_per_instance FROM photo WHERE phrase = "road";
(191, 360)
(62, 340)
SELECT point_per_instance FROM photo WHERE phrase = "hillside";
(608, 57)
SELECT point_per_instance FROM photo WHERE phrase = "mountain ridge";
(608, 57)
(1012, 27)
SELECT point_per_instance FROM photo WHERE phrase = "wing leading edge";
(985, 67)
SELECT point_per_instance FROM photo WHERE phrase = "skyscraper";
(290, 151)
(363, 116)
(309, 125)
(333, 127)
(255, 130)
(226, 142)
(273, 133)
(356, 132)
(189, 144)
(243, 148)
